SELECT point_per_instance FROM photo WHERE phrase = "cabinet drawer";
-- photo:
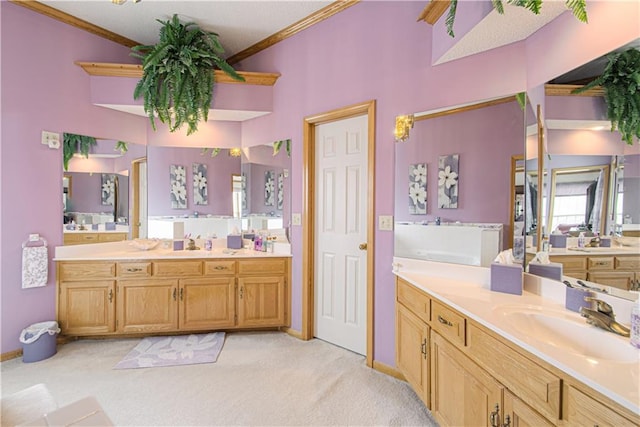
(219, 268)
(582, 410)
(570, 262)
(448, 323)
(177, 268)
(263, 266)
(600, 263)
(86, 270)
(627, 263)
(411, 297)
(525, 378)
(134, 269)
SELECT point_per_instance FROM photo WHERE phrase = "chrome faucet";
(603, 317)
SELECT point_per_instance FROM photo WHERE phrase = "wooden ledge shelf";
(132, 70)
(565, 90)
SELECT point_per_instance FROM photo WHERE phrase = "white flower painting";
(178, 180)
(108, 189)
(280, 191)
(269, 188)
(200, 196)
(418, 188)
(448, 169)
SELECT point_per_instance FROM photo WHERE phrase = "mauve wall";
(485, 140)
(219, 171)
(42, 89)
(86, 191)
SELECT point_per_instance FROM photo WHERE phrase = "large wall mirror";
(590, 183)
(455, 178)
(103, 194)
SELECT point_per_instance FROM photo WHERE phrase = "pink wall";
(42, 89)
(373, 50)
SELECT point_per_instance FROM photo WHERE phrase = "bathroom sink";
(568, 331)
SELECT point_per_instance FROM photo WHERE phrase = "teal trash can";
(39, 341)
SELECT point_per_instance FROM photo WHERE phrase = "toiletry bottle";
(635, 324)
(581, 240)
(545, 243)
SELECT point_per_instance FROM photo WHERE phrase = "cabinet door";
(261, 301)
(412, 348)
(583, 410)
(619, 279)
(87, 308)
(520, 414)
(147, 305)
(462, 394)
(207, 303)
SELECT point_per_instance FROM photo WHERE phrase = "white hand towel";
(35, 266)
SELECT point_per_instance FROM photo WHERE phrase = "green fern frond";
(579, 9)
(451, 16)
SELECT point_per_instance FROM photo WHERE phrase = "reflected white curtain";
(596, 212)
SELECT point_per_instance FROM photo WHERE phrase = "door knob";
(362, 246)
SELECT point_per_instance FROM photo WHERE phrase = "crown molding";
(74, 22)
(314, 18)
(134, 70)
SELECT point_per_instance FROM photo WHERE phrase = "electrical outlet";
(51, 139)
(296, 219)
(385, 223)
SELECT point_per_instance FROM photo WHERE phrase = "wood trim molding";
(388, 370)
(465, 108)
(314, 18)
(433, 11)
(292, 332)
(65, 18)
(565, 90)
(135, 70)
(10, 355)
(308, 208)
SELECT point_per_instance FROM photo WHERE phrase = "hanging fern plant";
(621, 83)
(577, 7)
(73, 143)
(177, 80)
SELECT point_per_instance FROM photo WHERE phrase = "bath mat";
(174, 350)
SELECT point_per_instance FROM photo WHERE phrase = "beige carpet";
(259, 379)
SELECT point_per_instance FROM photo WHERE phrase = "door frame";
(134, 220)
(310, 123)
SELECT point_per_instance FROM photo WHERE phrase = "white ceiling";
(240, 23)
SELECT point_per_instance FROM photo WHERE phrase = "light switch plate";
(385, 222)
(51, 139)
(296, 219)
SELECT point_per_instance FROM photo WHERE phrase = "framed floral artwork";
(448, 175)
(280, 190)
(269, 188)
(200, 196)
(418, 188)
(178, 180)
(107, 190)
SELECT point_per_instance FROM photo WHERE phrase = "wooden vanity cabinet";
(476, 377)
(620, 270)
(82, 238)
(152, 296)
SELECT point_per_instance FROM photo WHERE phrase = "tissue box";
(94, 226)
(506, 278)
(553, 270)
(178, 245)
(574, 298)
(605, 242)
(234, 241)
(558, 240)
(110, 226)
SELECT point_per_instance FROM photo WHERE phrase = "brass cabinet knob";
(362, 246)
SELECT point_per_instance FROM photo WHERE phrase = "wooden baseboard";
(388, 370)
(293, 333)
(10, 355)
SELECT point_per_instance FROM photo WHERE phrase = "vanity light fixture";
(403, 125)
(235, 152)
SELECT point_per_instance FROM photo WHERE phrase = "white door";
(341, 151)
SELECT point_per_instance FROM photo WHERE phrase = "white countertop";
(466, 289)
(121, 251)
